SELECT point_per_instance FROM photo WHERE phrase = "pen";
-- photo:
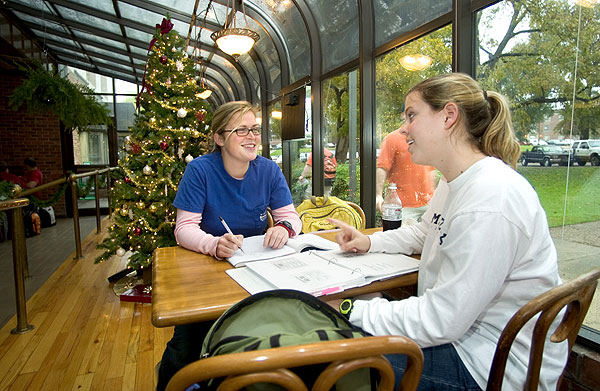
(229, 230)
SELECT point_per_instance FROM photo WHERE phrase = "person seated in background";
(235, 183)
(6, 175)
(33, 175)
(484, 241)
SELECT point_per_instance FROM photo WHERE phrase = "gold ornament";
(147, 170)
(153, 208)
(124, 212)
(141, 205)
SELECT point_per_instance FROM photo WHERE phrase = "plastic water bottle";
(392, 209)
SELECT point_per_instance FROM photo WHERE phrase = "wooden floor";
(84, 337)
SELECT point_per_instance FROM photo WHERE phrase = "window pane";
(393, 80)
(534, 67)
(341, 137)
(394, 18)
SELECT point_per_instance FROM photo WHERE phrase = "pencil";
(229, 230)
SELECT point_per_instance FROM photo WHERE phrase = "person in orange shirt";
(415, 182)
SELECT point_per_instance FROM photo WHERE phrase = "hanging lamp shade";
(416, 62)
(235, 41)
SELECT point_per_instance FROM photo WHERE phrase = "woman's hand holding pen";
(276, 237)
(228, 244)
(350, 239)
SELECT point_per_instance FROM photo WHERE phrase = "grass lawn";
(583, 197)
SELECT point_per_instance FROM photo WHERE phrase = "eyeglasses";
(243, 132)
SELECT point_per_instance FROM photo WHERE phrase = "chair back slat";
(243, 369)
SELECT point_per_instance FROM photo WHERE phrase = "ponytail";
(499, 139)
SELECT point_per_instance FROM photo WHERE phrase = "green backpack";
(283, 318)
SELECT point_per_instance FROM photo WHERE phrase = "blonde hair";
(223, 115)
(486, 114)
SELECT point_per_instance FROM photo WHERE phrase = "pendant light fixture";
(416, 62)
(234, 40)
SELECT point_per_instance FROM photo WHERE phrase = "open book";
(254, 250)
(321, 272)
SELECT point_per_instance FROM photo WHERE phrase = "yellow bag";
(315, 211)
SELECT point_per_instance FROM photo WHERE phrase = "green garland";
(51, 201)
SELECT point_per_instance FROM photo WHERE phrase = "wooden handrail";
(25, 192)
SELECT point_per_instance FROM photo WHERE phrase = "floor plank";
(84, 337)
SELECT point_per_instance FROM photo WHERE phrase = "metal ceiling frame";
(135, 72)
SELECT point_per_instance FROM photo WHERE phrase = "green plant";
(73, 104)
(341, 186)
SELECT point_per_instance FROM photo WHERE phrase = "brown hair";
(223, 115)
(486, 114)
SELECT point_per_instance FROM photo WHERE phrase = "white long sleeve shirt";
(485, 251)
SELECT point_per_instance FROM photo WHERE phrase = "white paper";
(308, 273)
(254, 251)
(374, 266)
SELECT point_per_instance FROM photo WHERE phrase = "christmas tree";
(170, 129)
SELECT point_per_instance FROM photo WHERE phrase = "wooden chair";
(576, 295)
(271, 365)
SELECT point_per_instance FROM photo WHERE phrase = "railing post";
(74, 198)
(97, 198)
(19, 253)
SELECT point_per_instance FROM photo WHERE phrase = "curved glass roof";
(112, 37)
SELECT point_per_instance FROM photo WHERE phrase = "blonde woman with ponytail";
(484, 242)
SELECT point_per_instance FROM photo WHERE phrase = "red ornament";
(127, 180)
(164, 145)
(163, 59)
(200, 115)
(137, 231)
(135, 149)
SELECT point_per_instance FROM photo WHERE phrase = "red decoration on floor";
(138, 294)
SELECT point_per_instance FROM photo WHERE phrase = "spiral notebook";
(321, 272)
(254, 250)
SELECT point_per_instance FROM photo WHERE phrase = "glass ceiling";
(111, 38)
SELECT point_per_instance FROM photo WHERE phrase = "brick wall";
(30, 135)
(583, 370)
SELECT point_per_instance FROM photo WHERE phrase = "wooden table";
(190, 287)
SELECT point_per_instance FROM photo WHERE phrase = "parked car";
(545, 155)
(587, 151)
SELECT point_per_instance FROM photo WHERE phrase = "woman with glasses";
(236, 184)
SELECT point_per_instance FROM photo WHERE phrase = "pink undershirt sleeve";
(189, 235)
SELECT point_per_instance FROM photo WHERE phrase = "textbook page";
(374, 266)
(306, 272)
(254, 250)
(250, 281)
